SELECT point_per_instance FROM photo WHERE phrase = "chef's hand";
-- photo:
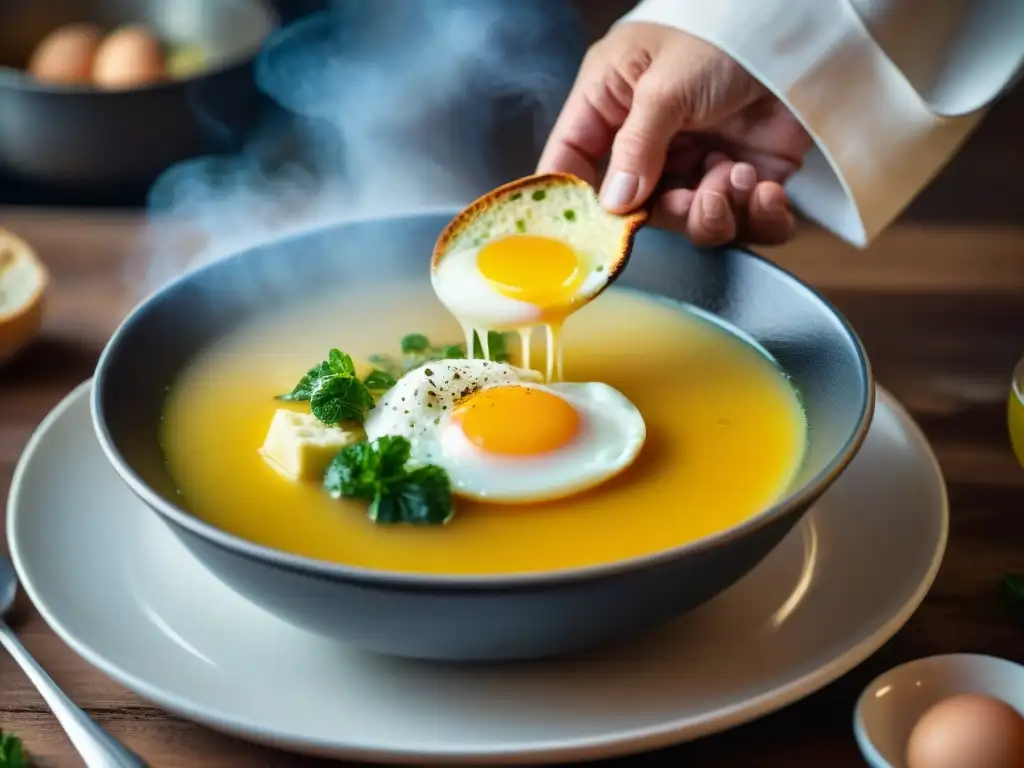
(685, 123)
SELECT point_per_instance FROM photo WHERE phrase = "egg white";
(419, 407)
(475, 302)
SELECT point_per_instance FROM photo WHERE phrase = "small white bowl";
(893, 703)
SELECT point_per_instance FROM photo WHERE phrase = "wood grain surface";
(938, 302)
(941, 311)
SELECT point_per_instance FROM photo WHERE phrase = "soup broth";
(725, 436)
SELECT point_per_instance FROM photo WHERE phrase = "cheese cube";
(300, 446)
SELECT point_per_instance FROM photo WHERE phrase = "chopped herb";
(304, 389)
(415, 342)
(12, 752)
(570, 215)
(516, 195)
(599, 268)
(379, 381)
(520, 225)
(334, 392)
(387, 364)
(539, 195)
(377, 472)
(417, 350)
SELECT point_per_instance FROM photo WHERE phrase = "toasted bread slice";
(23, 284)
(556, 205)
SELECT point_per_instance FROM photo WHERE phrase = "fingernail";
(620, 190)
(743, 177)
(713, 206)
(771, 202)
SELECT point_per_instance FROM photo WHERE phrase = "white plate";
(118, 587)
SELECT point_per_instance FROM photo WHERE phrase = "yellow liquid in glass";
(1015, 414)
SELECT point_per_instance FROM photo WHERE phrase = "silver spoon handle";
(97, 747)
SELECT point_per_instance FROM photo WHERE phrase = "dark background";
(975, 188)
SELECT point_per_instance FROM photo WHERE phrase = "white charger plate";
(116, 585)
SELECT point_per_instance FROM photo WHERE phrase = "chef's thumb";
(641, 145)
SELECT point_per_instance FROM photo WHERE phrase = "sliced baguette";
(23, 284)
(556, 205)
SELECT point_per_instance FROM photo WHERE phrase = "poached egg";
(529, 254)
(504, 437)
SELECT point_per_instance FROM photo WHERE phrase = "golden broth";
(725, 436)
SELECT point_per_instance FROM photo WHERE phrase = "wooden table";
(941, 311)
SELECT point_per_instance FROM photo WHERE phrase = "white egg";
(597, 431)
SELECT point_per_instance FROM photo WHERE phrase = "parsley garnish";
(334, 392)
(417, 350)
(415, 343)
(12, 752)
(377, 471)
(379, 381)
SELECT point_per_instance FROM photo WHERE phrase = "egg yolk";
(534, 269)
(516, 420)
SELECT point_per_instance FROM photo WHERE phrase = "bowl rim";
(309, 566)
(13, 77)
(864, 736)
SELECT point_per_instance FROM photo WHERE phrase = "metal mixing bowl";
(71, 136)
(476, 617)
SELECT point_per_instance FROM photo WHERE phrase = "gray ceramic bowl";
(69, 136)
(476, 618)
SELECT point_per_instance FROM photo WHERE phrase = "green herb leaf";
(304, 389)
(423, 497)
(379, 381)
(341, 364)
(389, 364)
(12, 752)
(358, 469)
(334, 392)
(376, 471)
(497, 346)
(417, 350)
(415, 342)
(1013, 588)
(338, 398)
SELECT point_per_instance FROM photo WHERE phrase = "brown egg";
(66, 55)
(129, 57)
(968, 731)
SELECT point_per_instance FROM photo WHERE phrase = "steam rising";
(395, 105)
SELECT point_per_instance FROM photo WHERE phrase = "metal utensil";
(97, 747)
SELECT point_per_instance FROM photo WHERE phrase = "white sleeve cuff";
(877, 142)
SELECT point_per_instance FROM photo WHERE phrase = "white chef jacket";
(888, 89)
